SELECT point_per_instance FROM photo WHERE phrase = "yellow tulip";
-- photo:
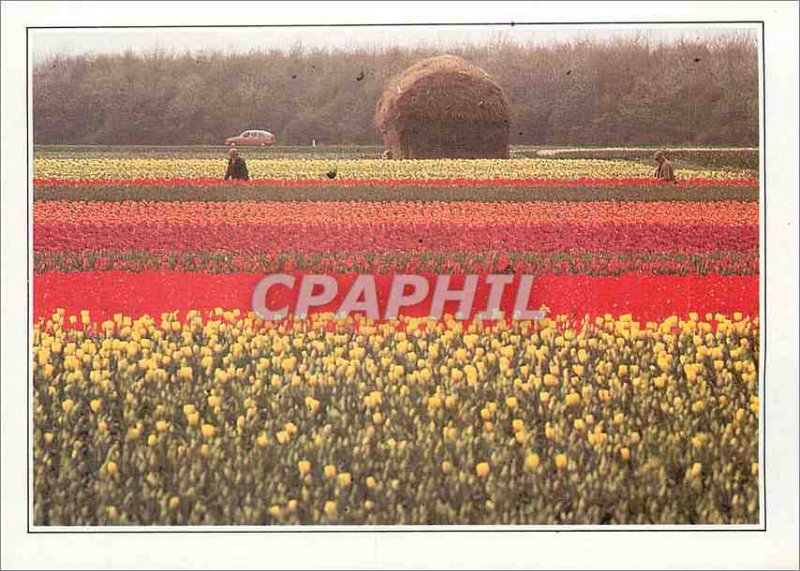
(312, 404)
(208, 430)
(434, 402)
(532, 461)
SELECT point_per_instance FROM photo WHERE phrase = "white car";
(252, 138)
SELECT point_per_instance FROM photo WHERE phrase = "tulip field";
(160, 398)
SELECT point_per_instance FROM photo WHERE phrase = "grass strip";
(486, 193)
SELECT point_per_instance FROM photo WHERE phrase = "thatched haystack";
(444, 107)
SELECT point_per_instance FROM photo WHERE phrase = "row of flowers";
(253, 238)
(646, 297)
(223, 419)
(535, 263)
(112, 168)
(391, 191)
(372, 214)
(577, 182)
(733, 157)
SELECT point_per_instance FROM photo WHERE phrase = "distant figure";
(664, 170)
(237, 168)
(387, 155)
(332, 173)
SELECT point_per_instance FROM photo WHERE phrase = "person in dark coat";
(664, 170)
(237, 168)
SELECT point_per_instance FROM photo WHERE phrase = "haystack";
(444, 107)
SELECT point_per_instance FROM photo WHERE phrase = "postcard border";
(728, 528)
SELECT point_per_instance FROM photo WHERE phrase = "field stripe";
(564, 182)
(594, 263)
(485, 192)
(156, 292)
(377, 213)
(373, 237)
(115, 168)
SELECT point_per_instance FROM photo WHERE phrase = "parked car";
(251, 139)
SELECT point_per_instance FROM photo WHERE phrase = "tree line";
(621, 92)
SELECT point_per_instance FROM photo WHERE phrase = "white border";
(429, 528)
(777, 547)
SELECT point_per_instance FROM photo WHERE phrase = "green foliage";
(488, 193)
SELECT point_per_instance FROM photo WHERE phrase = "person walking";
(664, 171)
(237, 168)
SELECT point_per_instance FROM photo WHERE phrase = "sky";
(45, 43)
